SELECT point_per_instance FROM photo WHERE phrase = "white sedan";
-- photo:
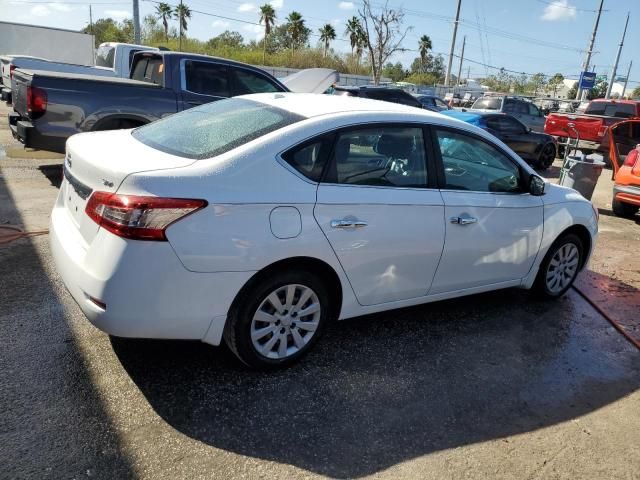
(259, 219)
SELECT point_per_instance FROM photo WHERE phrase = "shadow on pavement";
(53, 423)
(53, 174)
(382, 389)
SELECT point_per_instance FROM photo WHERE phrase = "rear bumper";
(28, 134)
(5, 95)
(627, 194)
(147, 291)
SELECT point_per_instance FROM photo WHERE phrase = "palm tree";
(360, 44)
(182, 13)
(268, 17)
(424, 45)
(327, 33)
(295, 26)
(164, 12)
(354, 29)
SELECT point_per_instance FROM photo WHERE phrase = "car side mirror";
(536, 185)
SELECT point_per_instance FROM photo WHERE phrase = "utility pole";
(590, 51)
(453, 44)
(615, 64)
(136, 23)
(180, 22)
(464, 41)
(626, 80)
(90, 20)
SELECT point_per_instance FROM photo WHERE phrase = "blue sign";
(587, 80)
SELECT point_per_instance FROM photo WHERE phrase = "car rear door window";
(475, 165)
(381, 156)
(310, 158)
(246, 81)
(149, 69)
(206, 78)
(534, 111)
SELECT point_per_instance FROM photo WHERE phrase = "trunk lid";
(101, 161)
(587, 126)
(311, 80)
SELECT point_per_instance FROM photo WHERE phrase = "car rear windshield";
(488, 103)
(105, 56)
(214, 128)
(612, 109)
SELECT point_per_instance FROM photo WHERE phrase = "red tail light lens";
(632, 158)
(36, 101)
(136, 217)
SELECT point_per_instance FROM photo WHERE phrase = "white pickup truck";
(112, 60)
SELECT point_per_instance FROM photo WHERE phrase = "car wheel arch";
(110, 122)
(583, 234)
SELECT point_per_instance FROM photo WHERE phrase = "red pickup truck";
(593, 125)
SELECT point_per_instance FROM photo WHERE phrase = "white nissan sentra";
(259, 219)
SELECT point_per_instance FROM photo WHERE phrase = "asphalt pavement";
(498, 385)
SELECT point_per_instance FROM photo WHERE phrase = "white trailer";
(54, 44)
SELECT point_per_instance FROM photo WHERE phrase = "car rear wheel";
(278, 319)
(624, 210)
(560, 267)
(547, 156)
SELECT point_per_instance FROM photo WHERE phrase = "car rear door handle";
(463, 220)
(348, 224)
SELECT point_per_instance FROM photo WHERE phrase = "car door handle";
(466, 220)
(348, 224)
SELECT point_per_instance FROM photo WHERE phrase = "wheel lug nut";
(282, 331)
(294, 314)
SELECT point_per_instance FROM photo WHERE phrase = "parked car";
(112, 60)
(50, 107)
(522, 109)
(537, 149)
(624, 153)
(259, 219)
(592, 126)
(386, 94)
(433, 103)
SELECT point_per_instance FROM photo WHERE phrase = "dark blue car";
(537, 149)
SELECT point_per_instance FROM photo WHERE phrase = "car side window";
(522, 108)
(206, 78)
(310, 158)
(511, 126)
(534, 111)
(382, 156)
(475, 165)
(250, 82)
(509, 106)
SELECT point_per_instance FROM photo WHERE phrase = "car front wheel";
(278, 319)
(560, 267)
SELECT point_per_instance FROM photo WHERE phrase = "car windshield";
(488, 103)
(214, 128)
(105, 56)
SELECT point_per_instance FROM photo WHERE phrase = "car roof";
(465, 116)
(315, 104)
(354, 88)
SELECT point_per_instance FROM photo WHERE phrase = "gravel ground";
(491, 386)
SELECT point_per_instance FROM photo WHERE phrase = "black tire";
(624, 210)
(237, 333)
(547, 156)
(541, 287)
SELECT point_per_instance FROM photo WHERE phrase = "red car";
(624, 153)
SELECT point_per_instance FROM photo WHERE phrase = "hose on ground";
(9, 233)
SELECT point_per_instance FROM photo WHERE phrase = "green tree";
(182, 14)
(422, 79)
(554, 83)
(164, 12)
(268, 17)
(424, 45)
(394, 71)
(226, 39)
(296, 28)
(635, 93)
(573, 92)
(537, 83)
(109, 30)
(599, 90)
(327, 33)
(353, 30)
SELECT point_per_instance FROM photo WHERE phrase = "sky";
(526, 36)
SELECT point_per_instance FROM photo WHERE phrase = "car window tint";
(310, 158)
(488, 103)
(475, 165)
(521, 108)
(384, 156)
(206, 78)
(247, 81)
(149, 69)
(509, 106)
(105, 56)
(440, 103)
(511, 126)
(533, 110)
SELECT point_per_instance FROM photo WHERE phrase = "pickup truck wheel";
(547, 156)
(560, 151)
(624, 210)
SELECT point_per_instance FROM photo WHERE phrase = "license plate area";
(76, 195)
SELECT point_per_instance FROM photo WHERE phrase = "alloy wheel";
(285, 321)
(562, 268)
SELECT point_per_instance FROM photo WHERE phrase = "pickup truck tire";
(560, 151)
(547, 156)
(624, 210)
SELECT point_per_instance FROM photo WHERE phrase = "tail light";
(602, 131)
(36, 101)
(12, 67)
(631, 159)
(136, 217)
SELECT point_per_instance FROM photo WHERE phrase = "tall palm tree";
(360, 44)
(424, 45)
(295, 26)
(353, 30)
(164, 12)
(182, 13)
(327, 33)
(268, 17)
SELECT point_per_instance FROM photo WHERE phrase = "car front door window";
(472, 164)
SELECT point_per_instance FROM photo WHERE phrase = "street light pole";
(590, 51)
(615, 65)
(453, 45)
(626, 80)
(136, 23)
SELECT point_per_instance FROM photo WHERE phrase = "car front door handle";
(463, 220)
(348, 224)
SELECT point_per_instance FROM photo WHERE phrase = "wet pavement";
(498, 385)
